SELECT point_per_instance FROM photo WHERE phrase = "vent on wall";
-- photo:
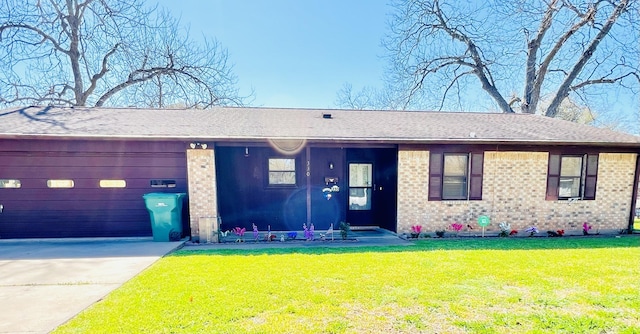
(327, 116)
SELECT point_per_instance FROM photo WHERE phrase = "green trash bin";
(165, 210)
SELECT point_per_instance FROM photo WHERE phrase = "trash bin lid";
(163, 195)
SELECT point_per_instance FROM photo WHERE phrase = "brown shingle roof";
(224, 123)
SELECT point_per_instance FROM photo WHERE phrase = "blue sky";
(294, 53)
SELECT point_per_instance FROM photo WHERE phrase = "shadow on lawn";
(437, 244)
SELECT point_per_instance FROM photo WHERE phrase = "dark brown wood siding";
(86, 210)
(245, 196)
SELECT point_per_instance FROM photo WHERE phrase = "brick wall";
(203, 209)
(514, 186)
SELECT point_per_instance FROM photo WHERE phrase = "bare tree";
(369, 98)
(107, 52)
(542, 47)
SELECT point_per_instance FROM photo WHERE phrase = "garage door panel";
(35, 172)
(53, 229)
(38, 146)
(37, 185)
(78, 217)
(91, 161)
(90, 194)
(98, 206)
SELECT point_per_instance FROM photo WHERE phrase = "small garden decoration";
(456, 227)
(469, 229)
(270, 236)
(308, 231)
(240, 233)
(325, 236)
(292, 235)
(585, 228)
(440, 233)
(256, 233)
(505, 229)
(415, 231)
(555, 234)
(532, 230)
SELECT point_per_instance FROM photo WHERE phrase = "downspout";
(634, 195)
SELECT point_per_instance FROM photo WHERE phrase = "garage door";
(84, 188)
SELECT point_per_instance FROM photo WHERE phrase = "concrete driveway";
(44, 283)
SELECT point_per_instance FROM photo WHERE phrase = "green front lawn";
(487, 285)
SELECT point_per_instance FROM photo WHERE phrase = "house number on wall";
(308, 168)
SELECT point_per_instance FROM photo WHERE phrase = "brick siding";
(203, 209)
(514, 186)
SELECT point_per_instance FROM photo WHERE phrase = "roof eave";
(354, 140)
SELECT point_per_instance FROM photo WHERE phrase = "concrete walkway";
(46, 282)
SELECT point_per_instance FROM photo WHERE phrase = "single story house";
(82, 172)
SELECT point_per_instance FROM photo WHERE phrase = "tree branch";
(142, 75)
(94, 79)
(39, 32)
(454, 81)
(479, 67)
(531, 95)
(604, 81)
(565, 87)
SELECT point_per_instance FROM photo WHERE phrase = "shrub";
(345, 228)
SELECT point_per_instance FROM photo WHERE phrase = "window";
(113, 183)
(572, 176)
(60, 183)
(455, 176)
(10, 183)
(163, 183)
(360, 186)
(282, 172)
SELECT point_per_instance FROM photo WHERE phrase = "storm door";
(372, 184)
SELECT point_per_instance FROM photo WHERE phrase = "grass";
(530, 285)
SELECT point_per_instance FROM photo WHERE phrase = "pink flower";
(456, 227)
